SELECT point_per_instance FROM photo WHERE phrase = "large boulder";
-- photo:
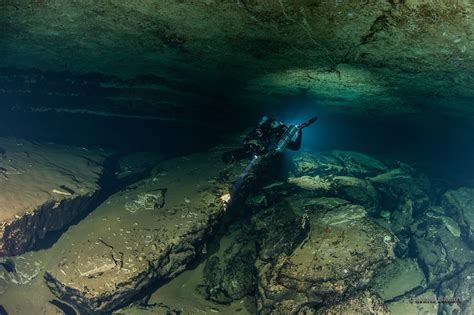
(337, 163)
(44, 187)
(400, 186)
(401, 277)
(146, 233)
(358, 191)
(394, 191)
(437, 244)
(342, 174)
(229, 274)
(278, 230)
(404, 194)
(338, 251)
(459, 205)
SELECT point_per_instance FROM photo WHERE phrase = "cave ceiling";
(162, 59)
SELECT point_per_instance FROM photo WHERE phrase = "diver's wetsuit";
(263, 139)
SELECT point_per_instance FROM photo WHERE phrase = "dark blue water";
(440, 146)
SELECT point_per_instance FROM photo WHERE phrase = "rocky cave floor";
(339, 233)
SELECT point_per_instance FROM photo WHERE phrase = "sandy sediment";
(148, 232)
(44, 188)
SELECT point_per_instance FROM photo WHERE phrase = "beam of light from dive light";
(238, 182)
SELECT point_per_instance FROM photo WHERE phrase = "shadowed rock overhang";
(381, 57)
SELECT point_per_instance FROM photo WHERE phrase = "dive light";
(291, 132)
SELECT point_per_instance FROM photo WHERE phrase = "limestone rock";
(338, 256)
(278, 229)
(405, 193)
(117, 251)
(358, 164)
(345, 55)
(459, 205)
(133, 167)
(308, 164)
(256, 201)
(315, 184)
(337, 163)
(279, 190)
(364, 303)
(401, 184)
(358, 191)
(157, 308)
(440, 252)
(418, 304)
(399, 278)
(229, 274)
(44, 188)
(459, 289)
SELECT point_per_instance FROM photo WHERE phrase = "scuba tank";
(286, 138)
(291, 132)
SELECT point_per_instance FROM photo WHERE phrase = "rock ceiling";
(158, 58)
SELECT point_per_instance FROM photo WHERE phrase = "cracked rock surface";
(365, 302)
(343, 233)
(43, 188)
(229, 275)
(337, 257)
(136, 237)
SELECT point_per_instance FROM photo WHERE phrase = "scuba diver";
(269, 135)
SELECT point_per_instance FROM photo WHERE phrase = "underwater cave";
(236, 157)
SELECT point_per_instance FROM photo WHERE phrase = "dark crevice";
(380, 24)
(118, 261)
(66, 308)
(108, 186)
(9, 265)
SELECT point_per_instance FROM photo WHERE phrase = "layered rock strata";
(43, 189)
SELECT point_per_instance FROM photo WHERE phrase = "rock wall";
(44, 188)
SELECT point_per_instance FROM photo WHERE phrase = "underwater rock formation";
(330, 263)
(394, 191)
(133, 167)
(230, 274)
(365, 302)
(134, 238)
(413, 304)
(44, 188)
(337, 163)
(388, 55)
(324, 241)
(459, 289)
(437, 243)
(398, 279)
(459, 205)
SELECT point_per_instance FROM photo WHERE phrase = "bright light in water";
(239, 182)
